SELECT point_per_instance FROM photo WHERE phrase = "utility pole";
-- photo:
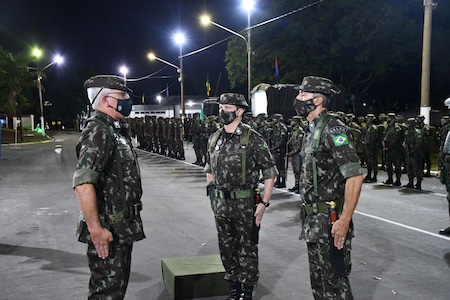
(425, 108)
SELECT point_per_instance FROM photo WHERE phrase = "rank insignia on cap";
(340, 140)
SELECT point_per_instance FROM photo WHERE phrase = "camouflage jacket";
(225, 160)
(413, 142)
(336, 160)
(393, 137)
(97, 164)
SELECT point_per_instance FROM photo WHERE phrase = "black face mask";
(226, 117)
(303, 108)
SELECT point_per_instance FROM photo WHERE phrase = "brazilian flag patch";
(340, 140)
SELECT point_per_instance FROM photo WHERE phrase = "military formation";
(383, 142)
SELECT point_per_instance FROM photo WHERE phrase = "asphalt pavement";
(397, 253)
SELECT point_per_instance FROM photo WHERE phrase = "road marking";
(403, 225)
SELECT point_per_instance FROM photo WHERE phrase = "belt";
(323, 207)
(236, 194)
(133, 209)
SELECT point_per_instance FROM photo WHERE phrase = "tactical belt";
(133, 211)
(322, 207)
(236, 194)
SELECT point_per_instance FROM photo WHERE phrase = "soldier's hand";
(339, 232)
(101, 238)
(260, 209)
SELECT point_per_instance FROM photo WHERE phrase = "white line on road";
(403, 225)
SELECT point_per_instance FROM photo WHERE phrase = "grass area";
(8, 137)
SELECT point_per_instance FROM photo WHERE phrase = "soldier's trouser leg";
(324, 283)
(109, 276)
(234, 222)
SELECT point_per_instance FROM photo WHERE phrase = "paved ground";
(396, 253)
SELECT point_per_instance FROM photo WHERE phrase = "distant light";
(205, 20)
(179, 38)
(37, 52)
(58, 59)
(123, 70)
(248, 5)
(151, 56)
(159, 98)
(190, 103)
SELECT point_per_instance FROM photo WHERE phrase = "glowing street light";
(57, 59)
(179, 38)
(206, 21)
(124, 71)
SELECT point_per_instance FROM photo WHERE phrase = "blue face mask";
(124, 106)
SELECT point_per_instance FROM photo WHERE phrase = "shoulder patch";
(336, 130)
(340, 139)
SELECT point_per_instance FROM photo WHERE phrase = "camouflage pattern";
(336, 160)
(392, 140)
(118, 263)
(337, 287)
(315, 84)
(233, 99)
(278, 142)
(195, 133)
(234, 217)
(370, 138)
(429, 135)
(295, 144)
(108, 81)
(97, 165)
(413, 144)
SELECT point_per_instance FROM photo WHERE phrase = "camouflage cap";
(411, 121)
(277, 115)
(233, 99)
(315, 84)
(107, 81)
(370, 116)
(445, 117)
(391, 115)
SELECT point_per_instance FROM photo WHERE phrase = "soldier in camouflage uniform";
(179, 138)
(109, 197)
(356, 133)
(444, 160)
(278, 143)
(429, 138)
(295, 144)
(413, 144)
(335, 164)
(392, 140)
(231, 187)
(382, 125)
(370, 137)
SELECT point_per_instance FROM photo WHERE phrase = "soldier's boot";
(282, 183)
(277, 182)
(410, 184)
(390, 180)
(397, 182)
(294, 188)
(374, 178)
(247, 292)
(235, 290)
(418, 185)
(368, 176)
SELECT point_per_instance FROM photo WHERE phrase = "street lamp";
(248, 6)
(57, 59)
(206, 21)
(124, 71)
(179, 39)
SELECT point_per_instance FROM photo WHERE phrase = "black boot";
(410, 184)
(368, 176)
(277, 182)
(389, 180)
(374, 178)
(282, 183)
(418, 186)
(294, 188)
(247, 292)
(235, 290)
(397, 182)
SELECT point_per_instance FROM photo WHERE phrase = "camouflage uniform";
(429, 138)
(335, 161)
(444, 160)
(392, 139)
(234, 213)
(295, 144)
(97, 164)
(370, 136)
(413, 143)
(278, 147)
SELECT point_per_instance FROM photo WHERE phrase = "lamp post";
(56, 60)
(248, 6)
(179, 39)
(124, 71)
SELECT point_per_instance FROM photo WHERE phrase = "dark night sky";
(104, 35)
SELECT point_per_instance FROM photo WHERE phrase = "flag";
(277, 69)
(143, 98)
(202, 114)
(167, 90)
(208, 87)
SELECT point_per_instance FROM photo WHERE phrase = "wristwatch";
(266, 204)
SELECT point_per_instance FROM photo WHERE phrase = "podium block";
(194, 277)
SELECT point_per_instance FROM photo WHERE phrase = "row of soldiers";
(386, 140)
